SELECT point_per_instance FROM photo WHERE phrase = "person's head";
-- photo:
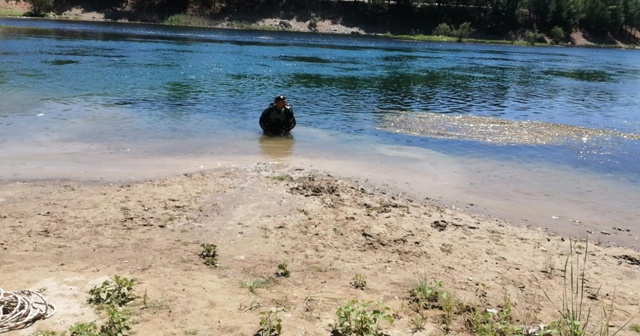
(280, 101)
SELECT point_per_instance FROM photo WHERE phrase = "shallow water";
(123, 101)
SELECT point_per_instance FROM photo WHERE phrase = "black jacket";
(273, 121)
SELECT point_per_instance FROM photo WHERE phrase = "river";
(544, 136)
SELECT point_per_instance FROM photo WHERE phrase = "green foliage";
(443, 29)
(361, 318)
(210, 254)
(118, 323)
(285, 177)
(463, 31)
(557, 34)
(257, 283)
(313, 23)
(187, 20)
(47, 333)
(427, 295)
(492, 322)
(270, 324)
(283, 270)
(84, 329)
(118, 292)
(39, 7)
(532, 36)
(359, 281)
(635, 327)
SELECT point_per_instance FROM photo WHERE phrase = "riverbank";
(63, 237)
(577, 38)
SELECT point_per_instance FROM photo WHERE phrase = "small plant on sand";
(117, 293)
(361, 318)
(84, 329)
(286, 177)
(210, 254)
(427, 295)
(118, 323)
(635, 327)
(283, 270)
(575, 313)
(270, 324)
(491, 322)
(359, 281)
(257, 283)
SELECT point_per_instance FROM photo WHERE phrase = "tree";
(39, 7)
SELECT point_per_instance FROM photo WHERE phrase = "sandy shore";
(64, 237)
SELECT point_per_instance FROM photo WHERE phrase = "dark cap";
(280, 97)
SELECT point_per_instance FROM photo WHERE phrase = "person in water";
(278, 119)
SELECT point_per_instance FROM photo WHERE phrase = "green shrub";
(532, 36)
(187, 20)
(270, 324)
(118, 323)
(359, 281)
(117, 293)
(463, 31)
(283, 270)
(358, 318)
(557, 34)
(313, 23)
(210, 254)
(443, 29)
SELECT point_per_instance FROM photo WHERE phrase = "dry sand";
(64, 237)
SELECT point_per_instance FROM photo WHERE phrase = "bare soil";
(64, 237)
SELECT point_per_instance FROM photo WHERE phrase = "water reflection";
(277, 147)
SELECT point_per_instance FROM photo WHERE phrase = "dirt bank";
(64, 237)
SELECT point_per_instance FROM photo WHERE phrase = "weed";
(191, 332)
(155, 306)
(574, 315)
(283, 270)
(427, 295)
(253, 305)
(47, 333)
(257, 283)
(359, 281)
(635, 327)
(548, 266)
(361, 318)
(286, 177)
(418, 322)
(118, 323)
(117, 293)
(84, 329)
(210, 254)
(270, 324)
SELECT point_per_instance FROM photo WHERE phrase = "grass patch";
(187, 20)
(361, 318)
(285, 177)
(359, 281)
(11, 13)
(432, 38)
(635, 327)
(254, 284)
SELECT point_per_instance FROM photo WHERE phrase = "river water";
(547, 137)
